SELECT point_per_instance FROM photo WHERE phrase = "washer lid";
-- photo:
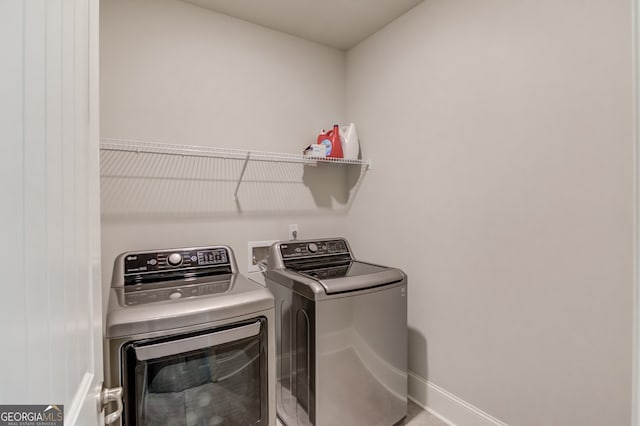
(340, 277)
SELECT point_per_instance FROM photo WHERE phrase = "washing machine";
(189, 340)
(341, 336)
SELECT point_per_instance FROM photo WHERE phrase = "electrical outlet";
(294, 232)
(257, 254)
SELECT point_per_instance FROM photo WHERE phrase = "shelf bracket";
(244, 169)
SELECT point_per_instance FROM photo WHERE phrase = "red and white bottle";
(331, 142)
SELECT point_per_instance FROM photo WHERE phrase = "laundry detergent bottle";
(332, 143)
(350, 143)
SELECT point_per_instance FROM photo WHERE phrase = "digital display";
(211, 257)
(336, 246)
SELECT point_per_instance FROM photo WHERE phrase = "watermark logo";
(32, 415)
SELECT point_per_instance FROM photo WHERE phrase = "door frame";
(635, 401)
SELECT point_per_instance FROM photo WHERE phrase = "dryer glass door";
(218, 377)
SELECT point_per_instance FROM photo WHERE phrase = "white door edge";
(79, 399)
(635, 401)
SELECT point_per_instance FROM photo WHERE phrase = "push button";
(174, 259)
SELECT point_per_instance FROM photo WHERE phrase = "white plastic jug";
(350, 143)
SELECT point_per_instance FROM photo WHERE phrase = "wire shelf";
(164, 152)
(137, 146)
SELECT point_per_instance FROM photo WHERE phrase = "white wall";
(501, 134)
(173, 72)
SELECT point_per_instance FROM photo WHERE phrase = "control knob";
(174, 259)
(312, 247)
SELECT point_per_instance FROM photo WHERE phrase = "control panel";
(302, 249)
(174, 260)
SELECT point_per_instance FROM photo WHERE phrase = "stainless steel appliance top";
(327, 266)
(169, 289)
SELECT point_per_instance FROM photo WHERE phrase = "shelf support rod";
(244, 169)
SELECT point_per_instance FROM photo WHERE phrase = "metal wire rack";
(246, 156)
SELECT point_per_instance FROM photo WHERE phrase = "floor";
(416, 416)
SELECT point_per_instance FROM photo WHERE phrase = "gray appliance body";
(341, 336)
(204, 332)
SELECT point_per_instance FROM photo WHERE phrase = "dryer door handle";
(176, 347)
(111, 395)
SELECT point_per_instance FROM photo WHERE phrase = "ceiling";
(337, 23)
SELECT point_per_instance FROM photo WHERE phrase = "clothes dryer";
(190, 340)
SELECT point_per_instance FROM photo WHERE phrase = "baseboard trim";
(447, 407)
